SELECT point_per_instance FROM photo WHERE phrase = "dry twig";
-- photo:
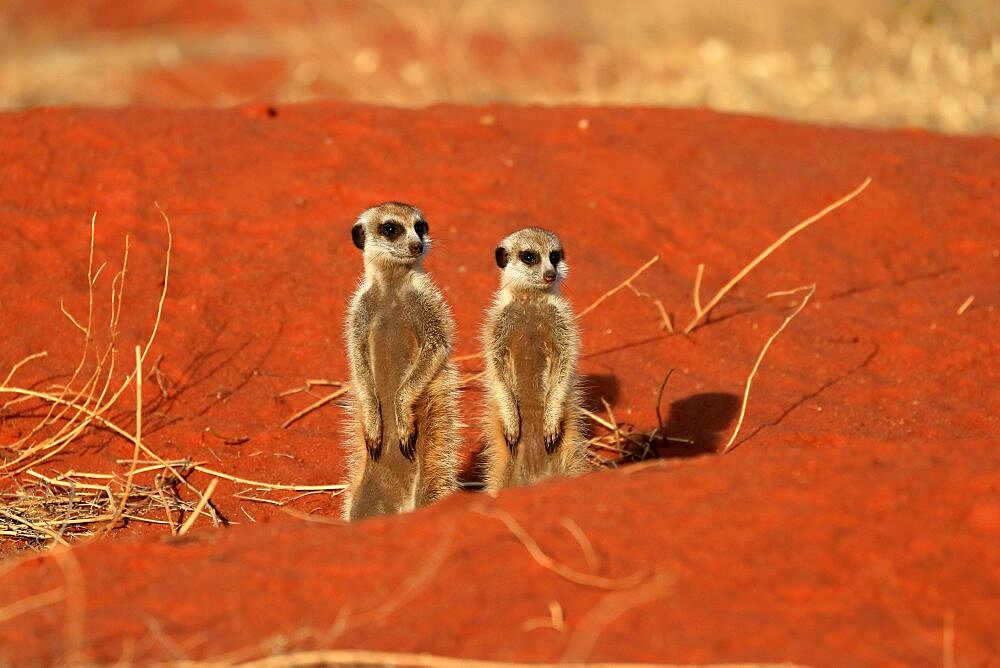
(319, 403)
(545, 561)
(702, 312)
(198, 508)
(753, 372)
(626, 283)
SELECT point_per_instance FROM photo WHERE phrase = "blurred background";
(926, 63)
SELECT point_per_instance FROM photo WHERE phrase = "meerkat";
(531, 342)
(404, 394)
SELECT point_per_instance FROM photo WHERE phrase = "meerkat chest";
(393, 336)
(531, 343)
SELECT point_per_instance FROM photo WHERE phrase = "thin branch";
(319, 403)
(760, 358)
(559, 568)
(198, 508)
(659, 397)
(615, 289)
(696, 292)
(702, 312)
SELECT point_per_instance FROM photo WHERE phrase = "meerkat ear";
(358, 235)
(501, 255)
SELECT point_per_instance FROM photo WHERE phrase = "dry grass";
(557, 567)
(48, 508)
(701, 312)
(626, 283)
(51, 508)
(928, 63)
(810, 290)
(319, 403)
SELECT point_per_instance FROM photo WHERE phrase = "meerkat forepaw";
(406, 427)
(552, 434)
(408, 445)
(512, 432)
(373, 434)
(374, 447)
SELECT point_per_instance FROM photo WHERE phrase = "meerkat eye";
(390, 229)
(421, 228)
(529, 257)
(555, 256)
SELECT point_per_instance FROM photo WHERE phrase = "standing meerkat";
(404, 389)
(531, 343)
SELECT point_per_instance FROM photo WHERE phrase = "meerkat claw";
(374, 447)
(408, 446)
(552, 440)
(512, 440)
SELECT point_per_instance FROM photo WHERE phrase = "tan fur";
(404, 388)
(531, 343)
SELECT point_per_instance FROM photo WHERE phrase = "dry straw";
(49, 508)
(810, 290)
(700, 312)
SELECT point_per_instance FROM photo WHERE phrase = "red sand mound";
(855, 522)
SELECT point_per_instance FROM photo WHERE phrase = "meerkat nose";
(416, 247)
(549, 275)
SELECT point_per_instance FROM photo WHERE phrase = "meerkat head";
(392, 234)
(532, 259)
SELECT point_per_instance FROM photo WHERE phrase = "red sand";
(855, 523)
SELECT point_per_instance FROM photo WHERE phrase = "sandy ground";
(887, 63)
(855, 521)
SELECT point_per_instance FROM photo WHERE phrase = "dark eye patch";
(421, 228)
(390, 229)
(555, 257)
(528, 257)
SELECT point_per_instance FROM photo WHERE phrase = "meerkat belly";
(393, 347)
(531, 355)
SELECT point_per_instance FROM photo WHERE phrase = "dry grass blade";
(268, 485)
(202, 502)
(316, 405)
(966, 304)
(810, 289)
(545, 561)
(81, 407)
(310, 384)
(593, 562)
(614, 605)
(702, 312)
(26, 605)
(621, 286)
(138, 431)
(555, 621)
